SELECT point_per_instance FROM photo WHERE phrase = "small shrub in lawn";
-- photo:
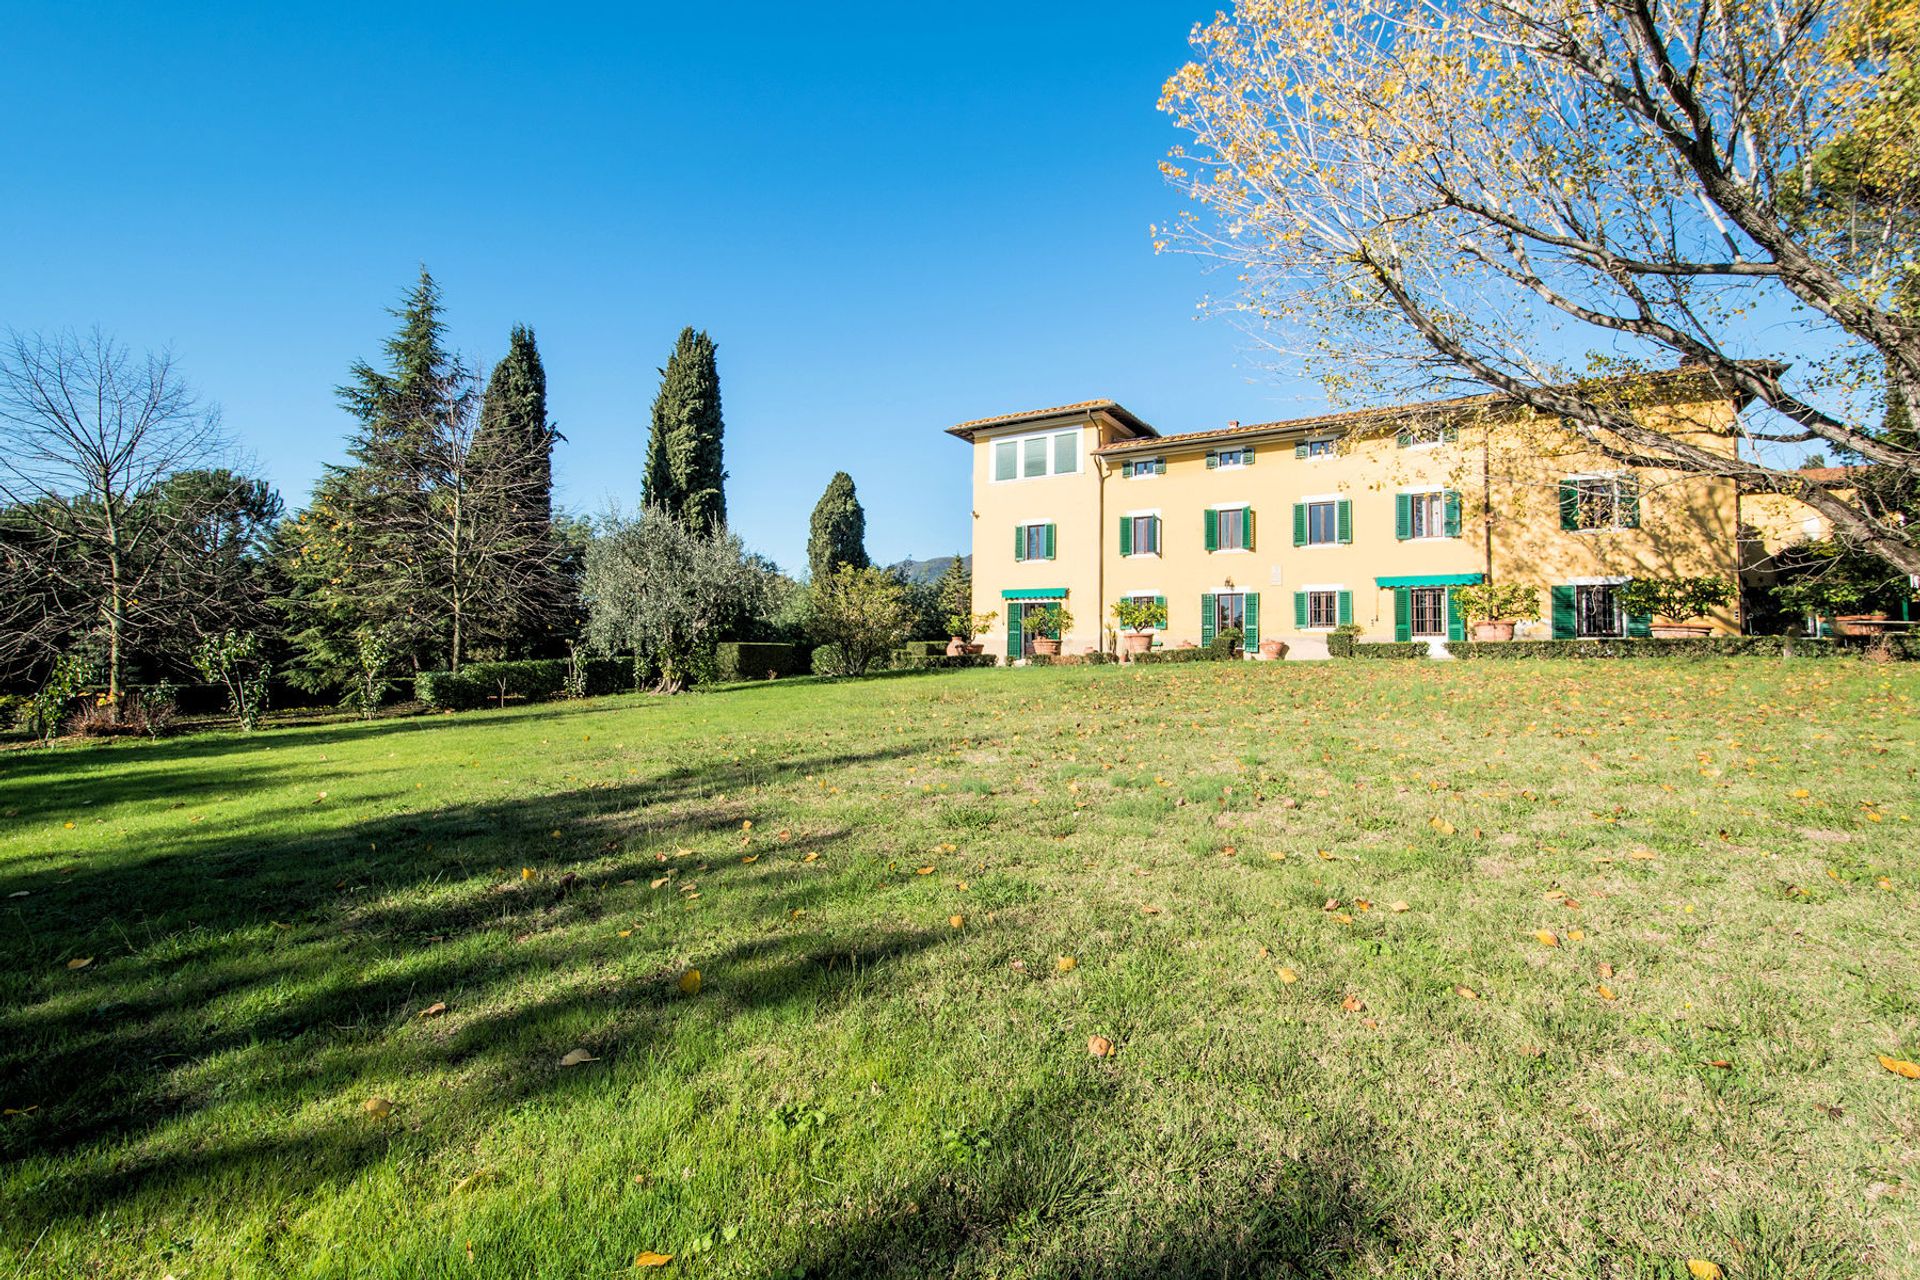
(1701, 647)
(753, 660)
(1386, 649)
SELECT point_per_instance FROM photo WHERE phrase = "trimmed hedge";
(1697, 647)
(924, 648)
(1098, 658)
(759, 660)
(1208, 654)
(904, 660)
(480, 684)
(1385, 649)
(1340, 641)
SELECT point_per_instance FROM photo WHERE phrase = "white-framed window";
(1323, 522)
(1141, 537)
(1225, 458)
(1606, 501)
(1428, 608)
(1425, 436)
(1147, 597)
(1233, 525)
(1030, 457)
(1427, 513)
(1323, 608)
(1034, 540)
(1597, 611)
(1141, 468)
(1318, 448)
(1229, 611)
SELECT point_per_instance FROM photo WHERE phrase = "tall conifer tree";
(685, 470)
(838, 533)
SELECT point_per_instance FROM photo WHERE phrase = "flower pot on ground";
(1494, 607)
(963, 627)
(1675, 601)
(1047, 623)
(1273, 649)
(1046, 646)
(1138, 617)
(1861, 624)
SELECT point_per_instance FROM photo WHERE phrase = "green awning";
(1430, 580)
(1035, 593)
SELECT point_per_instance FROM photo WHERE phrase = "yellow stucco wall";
(1510, 468)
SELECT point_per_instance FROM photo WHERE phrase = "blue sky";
(889, 219)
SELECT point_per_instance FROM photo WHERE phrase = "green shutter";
(1343, 518)
(1403, 516)
(1162, 602)
(1206, 619)
(1050, 547)
(1126, 536)
(1246, 457)
(1449, 435)
(1159, 547)
(1019, 542)
(1402, 438)
(1300, 450)
(1159, 466)
(1213, 459)
(1563, 627)
(1299, 524)
(1299, 611)
(1456, 625)
(1253, 620)
(1248, 527)
(1126, 470)
(1640, 625)
(1403, 613)
(1569, 506)
(1213, 529)
(1453, 513)
(1014, 610)
(1628, 506)
(1346, 609)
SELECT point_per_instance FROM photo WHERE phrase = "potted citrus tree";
(1677, 600)
(1046, 623)
(1490, 609)
(963, 627)
(1138, 616)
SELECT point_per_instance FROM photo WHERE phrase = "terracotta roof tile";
(1113, 407)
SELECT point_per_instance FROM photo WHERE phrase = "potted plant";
(1046, 623)
(1676, 600)
(1491, 608)
(1138, 617)
(1272, 650)
(963, 627)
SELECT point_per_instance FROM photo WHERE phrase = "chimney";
(1232, 423)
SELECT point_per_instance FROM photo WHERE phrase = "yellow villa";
(1372, 518)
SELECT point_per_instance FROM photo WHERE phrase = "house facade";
(1372, 518)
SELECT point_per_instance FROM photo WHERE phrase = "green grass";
(860, 1087)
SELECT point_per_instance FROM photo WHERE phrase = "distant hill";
(926, 570)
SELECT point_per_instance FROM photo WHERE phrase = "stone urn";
(1273, 650)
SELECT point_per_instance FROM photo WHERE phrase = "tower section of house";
(1371, 519)
(1037, 519)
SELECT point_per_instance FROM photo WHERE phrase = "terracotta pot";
(1492, 631)
(956, 646)
(973, 649)
(1679, 631)
(1132, 642)
(1272, 649)
(1046, 646)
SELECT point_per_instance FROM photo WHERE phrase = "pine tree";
(685, 471)
(838, 533)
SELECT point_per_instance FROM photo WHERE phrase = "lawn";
(331, 974)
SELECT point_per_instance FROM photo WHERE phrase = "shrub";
(924, 648)
(1496, 602)
(1676, 599)
(942, 661)
(236, 661)
(445, 691)
(13, 708)
(1700, 647)
(1093, 658)
(535, 679)
(750, 660)
(1387, 649)
(149, 711)
(1139, 613)
(1208, 654)
(828, 661)
(1340, 641)
(863, 612)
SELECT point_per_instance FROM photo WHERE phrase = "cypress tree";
(685, 471)
(513, 491)
(515, 435)
(838, 533)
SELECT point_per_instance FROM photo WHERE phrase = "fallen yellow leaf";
(924, 871)
(434, 1010)
(1466, 993)
(1287, 975)
(1546, 937)
(1701, 1269)
(526, 873)
(956, 921)
(1397, 906)
(1100, 1046)
(1441, 825)
(1901, 1067)
(1353, 1004)
(812, 857)
(576, 1057)
(1605, 992)
(651, 1259)
(1065, 964)
(79, 962)
(690, 982)
(1576, 935)
(378, 1108)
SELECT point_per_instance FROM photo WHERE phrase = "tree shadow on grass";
(281, 975)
